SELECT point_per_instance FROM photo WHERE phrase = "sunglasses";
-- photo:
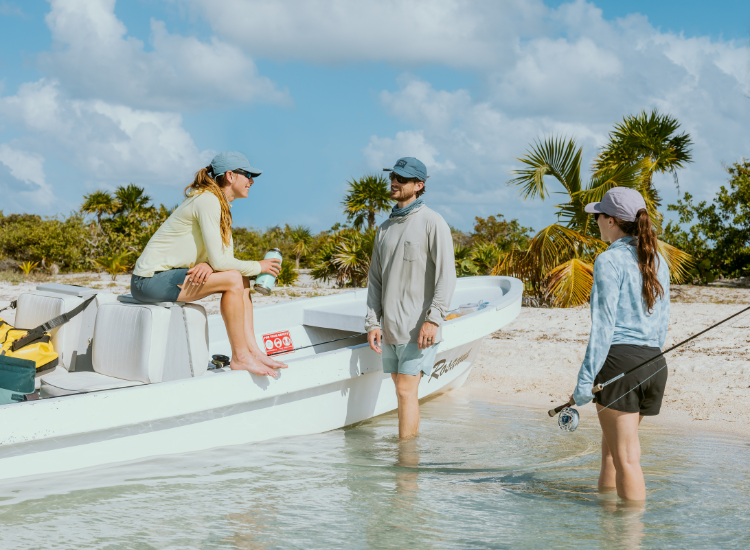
(242, 172)
(402, 180)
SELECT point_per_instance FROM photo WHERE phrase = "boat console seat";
(72, 341)
(338, 316)
(135, 344)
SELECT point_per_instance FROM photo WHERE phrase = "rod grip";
(597, 388)
(553, 412)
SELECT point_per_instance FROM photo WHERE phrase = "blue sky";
(97, 94)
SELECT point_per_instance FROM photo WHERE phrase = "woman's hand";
(271, 265)
(199, 274)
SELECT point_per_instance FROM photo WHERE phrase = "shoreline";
(534, 361)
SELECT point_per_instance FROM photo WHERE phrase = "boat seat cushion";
(130, 341)
(347, 315)
(58, 384)
(35, 308)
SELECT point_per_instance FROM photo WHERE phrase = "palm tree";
(558, 264)
(650, 139)
(99, 203)
(465, 266)
(367, 197)
(345, 258)
(131, 199)
(301, 238)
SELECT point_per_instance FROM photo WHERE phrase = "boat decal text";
(443, 366)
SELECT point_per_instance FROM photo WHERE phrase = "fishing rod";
(599, 387)
(481, 306)
(318, 344)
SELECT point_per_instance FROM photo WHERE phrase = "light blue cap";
(410, 167)
(232, 160)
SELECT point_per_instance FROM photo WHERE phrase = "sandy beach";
(534, 361)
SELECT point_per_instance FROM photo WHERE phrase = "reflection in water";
(480, 475)
(622, 523)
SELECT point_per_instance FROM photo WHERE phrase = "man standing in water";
(411, 282)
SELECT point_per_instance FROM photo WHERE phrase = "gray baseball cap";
(232, 160)
(619, 202)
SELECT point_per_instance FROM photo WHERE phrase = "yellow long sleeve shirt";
(192, 235)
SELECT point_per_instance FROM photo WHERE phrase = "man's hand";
(427, 335)
(271, 265)
(373, 338)
(199, 274)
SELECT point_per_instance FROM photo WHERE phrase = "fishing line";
(318, 344)
(569, 418)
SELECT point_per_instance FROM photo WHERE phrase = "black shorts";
(649, 381)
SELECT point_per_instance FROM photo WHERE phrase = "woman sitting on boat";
(629, 321)
(191, 256)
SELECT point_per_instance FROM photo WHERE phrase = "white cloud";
(452, 32)
(577, 85)
(105, 141)
(26, 167)
(94, 58)
(383, 152)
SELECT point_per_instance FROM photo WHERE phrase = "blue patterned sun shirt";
(618, 311)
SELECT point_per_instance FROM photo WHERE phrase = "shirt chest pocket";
(411, 251)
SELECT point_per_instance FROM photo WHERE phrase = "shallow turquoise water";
(481, 475)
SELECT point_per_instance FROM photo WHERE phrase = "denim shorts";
(408, 359)
(162, 287)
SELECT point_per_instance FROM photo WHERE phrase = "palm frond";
(569, 284)
(556, 157)
(679, 262)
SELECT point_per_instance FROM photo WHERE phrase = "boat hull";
(320, 393)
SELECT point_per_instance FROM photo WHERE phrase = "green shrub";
(288, 275)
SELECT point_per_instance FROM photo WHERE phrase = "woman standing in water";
(629, 321)
(191, 256)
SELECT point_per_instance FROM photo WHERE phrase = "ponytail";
(648, 259)
(205, 182)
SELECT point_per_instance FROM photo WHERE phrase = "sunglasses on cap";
(402, 180)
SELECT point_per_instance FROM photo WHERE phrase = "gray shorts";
(162, 287)
(408, 359)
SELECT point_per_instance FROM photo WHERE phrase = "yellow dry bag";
(35, 344)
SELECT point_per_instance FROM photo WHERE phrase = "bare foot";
(269, 362)
(249, 363)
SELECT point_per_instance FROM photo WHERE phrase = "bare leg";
(608, 472)
(252, 344)
(620, 433)
(230, 285)
(407, 386)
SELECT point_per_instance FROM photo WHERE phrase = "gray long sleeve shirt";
(412, 276)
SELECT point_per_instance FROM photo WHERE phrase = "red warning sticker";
(278, 343)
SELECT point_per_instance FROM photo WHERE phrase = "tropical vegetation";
(557, 265)
(367, 197)
(709, 239)
(717, 234)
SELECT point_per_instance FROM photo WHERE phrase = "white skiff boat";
(140, 387)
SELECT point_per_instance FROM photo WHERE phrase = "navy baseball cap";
(409, 167)
(232, 160)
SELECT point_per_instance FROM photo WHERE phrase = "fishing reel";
(568, 419)
(218, 362)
